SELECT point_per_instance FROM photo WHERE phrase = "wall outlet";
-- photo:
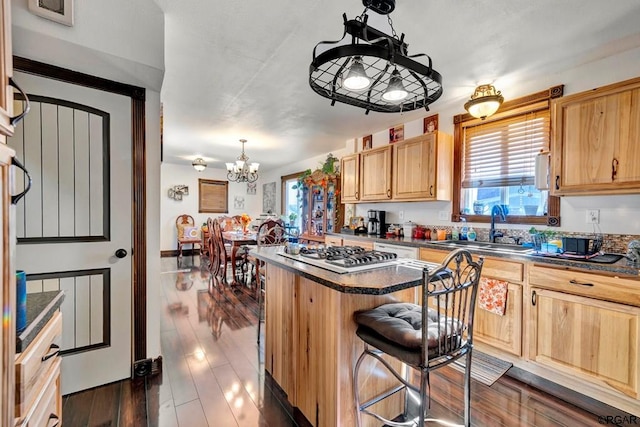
(443, 215)
(593, 216)
(401, 215)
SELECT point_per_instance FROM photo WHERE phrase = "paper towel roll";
(542, 171)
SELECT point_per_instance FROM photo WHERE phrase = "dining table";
(237, 239)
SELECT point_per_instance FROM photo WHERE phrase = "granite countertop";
(621, 267)
(378, 281)
(40, 309)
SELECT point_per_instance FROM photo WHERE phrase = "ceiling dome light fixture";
(242, 170)
(484, 102)
(199, 164)
(339, 71)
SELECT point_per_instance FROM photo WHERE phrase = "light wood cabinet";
(596, 141)
(594, 340)
(321, 211)
(422, 168)
(333, 241)
(501, 332)
(279, 348)
(6, 71)
(350, 178)
(8, 290)
(38, 396)
(375, 174)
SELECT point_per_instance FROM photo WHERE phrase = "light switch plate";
(443, 215)
(593, 216)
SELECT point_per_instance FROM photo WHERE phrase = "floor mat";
(484, 368)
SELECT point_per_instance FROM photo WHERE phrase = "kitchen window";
(496, 165)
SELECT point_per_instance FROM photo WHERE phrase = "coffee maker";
(376, 225)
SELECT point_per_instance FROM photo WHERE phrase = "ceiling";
(239, 69)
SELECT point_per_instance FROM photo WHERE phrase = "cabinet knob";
(54, 350)
(557, 182)
(16, 119)
(357, 195)
(431, 190)
(533, 298)
(56, 420)
(575, 282)
(388, 193)
(614, 169)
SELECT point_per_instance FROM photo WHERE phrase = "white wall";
(618, 214)
(108, 41)
(173, 174)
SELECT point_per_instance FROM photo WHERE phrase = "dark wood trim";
(174, 253)
(138, 141)
(62, 239)
(65, 75)
(553, 214)
(139, 175)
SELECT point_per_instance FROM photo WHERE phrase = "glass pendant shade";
(395, 91)
(356, 77)
(484, 102)
(199, 164)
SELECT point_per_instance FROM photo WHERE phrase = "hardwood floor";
(213, 374)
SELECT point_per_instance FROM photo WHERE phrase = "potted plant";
(292, 218)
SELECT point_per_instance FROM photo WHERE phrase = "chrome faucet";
(496, 210)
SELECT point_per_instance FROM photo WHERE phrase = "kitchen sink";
(500, 247)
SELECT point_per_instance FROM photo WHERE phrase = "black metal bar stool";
(425, 337)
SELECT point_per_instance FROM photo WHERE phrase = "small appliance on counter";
(376, 224)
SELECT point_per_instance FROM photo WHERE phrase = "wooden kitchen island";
(310, 343)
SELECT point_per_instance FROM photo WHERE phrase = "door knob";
(121, 253)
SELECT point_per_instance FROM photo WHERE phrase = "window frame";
(508, 109)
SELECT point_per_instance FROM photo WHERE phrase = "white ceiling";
(239, 69)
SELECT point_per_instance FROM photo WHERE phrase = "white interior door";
(76, 145)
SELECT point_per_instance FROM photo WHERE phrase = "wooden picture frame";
(396, 134)
(430, 124)
(213, 196)
(60, 11)
(367, 142)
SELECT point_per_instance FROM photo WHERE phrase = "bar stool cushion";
(396, 329)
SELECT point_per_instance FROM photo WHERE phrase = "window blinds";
(503, 152)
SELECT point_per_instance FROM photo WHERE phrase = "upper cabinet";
(416, 169)
(375, 174)
(596, 141)
(6, 67)
(422, 168)
(350, 178)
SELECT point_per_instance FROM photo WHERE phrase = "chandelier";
(484, 102)
(242, 170)
(374, 71)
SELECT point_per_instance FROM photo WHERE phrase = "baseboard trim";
(568, 395)
(174, 253)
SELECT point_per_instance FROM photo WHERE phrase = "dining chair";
(187, 234)
(425, 337)
(221, 256)
(270, 233)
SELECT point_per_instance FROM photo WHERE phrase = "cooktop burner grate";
(347, 256)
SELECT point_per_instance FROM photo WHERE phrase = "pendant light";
(484, 102)
(356, 77)
(395, 91)
(373, 70)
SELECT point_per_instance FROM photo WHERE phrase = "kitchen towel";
(493, 295)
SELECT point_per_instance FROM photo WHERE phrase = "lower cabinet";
(593, 340)
(38, 396)
(366, 245)
(504, 333)
(332, 240)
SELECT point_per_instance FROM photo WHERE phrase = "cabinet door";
(350, 170)
(279, 312)
(502, 332)
(363, 244)
(414, 166)
(375, 174)
(6, 69)
(590, 339)
(596, 144)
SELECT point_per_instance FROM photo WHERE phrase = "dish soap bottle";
(471, 234)
(464, 229)
(455, 234)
